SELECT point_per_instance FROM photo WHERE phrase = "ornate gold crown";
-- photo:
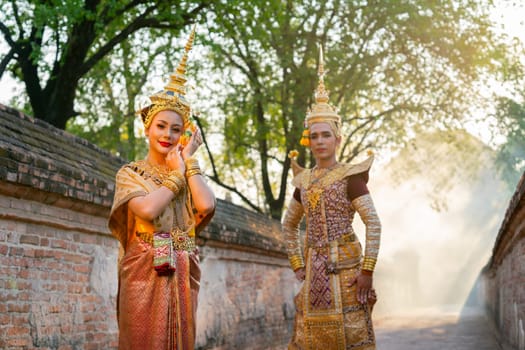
(172, 97)
(321, 111)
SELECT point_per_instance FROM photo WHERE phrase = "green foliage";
(511, 156)
(109, 94)
(53, 44)
(393, 67)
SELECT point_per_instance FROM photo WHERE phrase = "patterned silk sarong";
(328, 315)
(157, 312)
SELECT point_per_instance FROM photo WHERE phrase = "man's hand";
(300, 274)
(364, 287)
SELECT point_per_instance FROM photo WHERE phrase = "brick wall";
(503, 279)
(57, 258)
(57, 284)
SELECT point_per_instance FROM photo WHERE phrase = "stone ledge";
(38, 155)
(27, 210)
(52, 198)
(506, 235)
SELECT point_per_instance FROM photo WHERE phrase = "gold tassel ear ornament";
(305, 138)
(189, 130)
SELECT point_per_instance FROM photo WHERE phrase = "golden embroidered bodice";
(138, 179)
(328, 210)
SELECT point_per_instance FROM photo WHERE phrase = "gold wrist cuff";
(191, 163)
(192, 172)
(192, 167)
(296, 261)
(369, 263)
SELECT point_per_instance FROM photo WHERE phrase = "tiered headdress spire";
(172, 97)
(321, 111)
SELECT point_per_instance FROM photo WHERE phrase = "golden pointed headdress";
(172, 97)
(321, 110)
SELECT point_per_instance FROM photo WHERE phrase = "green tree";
(510, 115)
(393, 66)
(108, 95)
(53, 44)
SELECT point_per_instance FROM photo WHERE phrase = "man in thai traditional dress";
(333, 307)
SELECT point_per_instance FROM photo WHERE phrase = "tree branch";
(17, 18)
(5, 61)
(7, 35)
(108, 19)
(140, 22)
(216, 178)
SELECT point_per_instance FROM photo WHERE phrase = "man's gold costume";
(328, 314)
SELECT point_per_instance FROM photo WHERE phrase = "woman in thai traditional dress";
(333, 306)
(160, 204)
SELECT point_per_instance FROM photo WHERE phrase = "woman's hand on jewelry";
(174, 159)
(193, 144)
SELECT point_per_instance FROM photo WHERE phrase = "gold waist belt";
(179, 242)
(344, 239)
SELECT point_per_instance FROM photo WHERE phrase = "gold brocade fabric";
(154, 312)
(328, 315)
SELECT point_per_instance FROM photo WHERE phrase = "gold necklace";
(313, 190)
(318, 173)
(158, 173)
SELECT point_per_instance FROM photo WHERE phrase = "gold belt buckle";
(347, 238)
(181, 241)
(331, 268)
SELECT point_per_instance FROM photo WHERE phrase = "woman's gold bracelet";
(175, 181)
(191, 172)
(192, 167)
(191, 163)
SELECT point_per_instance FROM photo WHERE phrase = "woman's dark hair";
(144, 112)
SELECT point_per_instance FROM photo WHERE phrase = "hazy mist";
(441, 203)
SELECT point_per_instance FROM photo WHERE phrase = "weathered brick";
(5, 202)
(58, 243)
(29, 239)
(19, 319)
(44, 253)
(5, 318)
(11, 307)
(29, 252)
(23, 342)
(504, 277)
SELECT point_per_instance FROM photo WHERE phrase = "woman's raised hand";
(175, 160)
(193, 144)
